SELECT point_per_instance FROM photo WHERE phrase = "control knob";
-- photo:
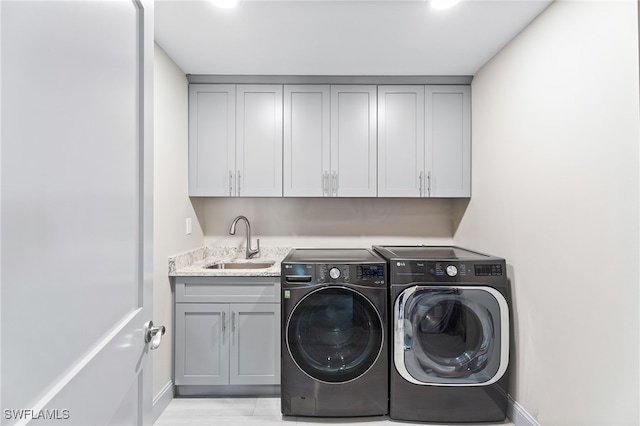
(452, 271)
(334, 273)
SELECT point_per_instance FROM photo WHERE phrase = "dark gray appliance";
(449, 334)
(334, 346)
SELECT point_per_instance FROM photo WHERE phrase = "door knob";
(153, 334)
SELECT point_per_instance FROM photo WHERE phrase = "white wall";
(555, 191)
(324, 222)
(171, 202)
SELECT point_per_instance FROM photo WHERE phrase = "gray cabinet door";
(202, 344)
(401, 119)
(255, 344)
(448, 140)
(212, 139)
(424, 141)
(353, 141)
(306, 140)
(259, 141)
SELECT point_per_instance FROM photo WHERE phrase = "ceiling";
(339, 37)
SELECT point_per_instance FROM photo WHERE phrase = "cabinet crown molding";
(327, 79)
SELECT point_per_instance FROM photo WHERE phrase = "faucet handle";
(253, 252)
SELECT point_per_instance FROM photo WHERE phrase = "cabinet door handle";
(233, 321)
(420, 183)
(334, 183)
(325, 183)
(238, 183)
(224, 321)
(429, 184)
(230, 183)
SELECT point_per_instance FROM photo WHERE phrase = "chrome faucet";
(250, 252)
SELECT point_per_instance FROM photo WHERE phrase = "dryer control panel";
(408, 271)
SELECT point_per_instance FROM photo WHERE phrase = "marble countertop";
(194, 263)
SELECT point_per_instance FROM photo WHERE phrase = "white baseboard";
(162, 400)
(518, 415)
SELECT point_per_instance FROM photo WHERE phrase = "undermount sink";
(241, 265)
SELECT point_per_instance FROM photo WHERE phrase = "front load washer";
(450, 334)
(334, 346)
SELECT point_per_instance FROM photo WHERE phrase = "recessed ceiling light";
(225, 4)
(443, 4)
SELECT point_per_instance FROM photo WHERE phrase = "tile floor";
(260, 411)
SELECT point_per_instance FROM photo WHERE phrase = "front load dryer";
(450, 334)
(334, 346)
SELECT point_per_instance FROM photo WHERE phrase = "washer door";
(334, 334)
(451, 336)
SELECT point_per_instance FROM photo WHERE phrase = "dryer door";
(334, 334)
(451, 336)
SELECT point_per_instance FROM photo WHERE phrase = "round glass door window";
(451, 336)
(334, 334)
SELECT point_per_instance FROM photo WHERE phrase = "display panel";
(370, 272)
(488, 270)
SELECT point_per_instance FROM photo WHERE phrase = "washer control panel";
(351, 273)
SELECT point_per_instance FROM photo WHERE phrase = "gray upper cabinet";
(448, 140)
(259, 141)
(353, 141)
(424, 141)
(235, 140)
(330, 141)
(212, 139)
(307, 140)
(401, 150)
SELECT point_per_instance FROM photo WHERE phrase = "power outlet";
(189, 226)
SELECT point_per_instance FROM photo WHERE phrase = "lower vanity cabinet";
(227, 331)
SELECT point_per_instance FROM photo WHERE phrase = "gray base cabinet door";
(255, 344)
(227, 344)
(202, 344)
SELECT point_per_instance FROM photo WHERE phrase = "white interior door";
(75, 211)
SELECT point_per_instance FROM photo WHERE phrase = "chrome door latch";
(153, 334)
